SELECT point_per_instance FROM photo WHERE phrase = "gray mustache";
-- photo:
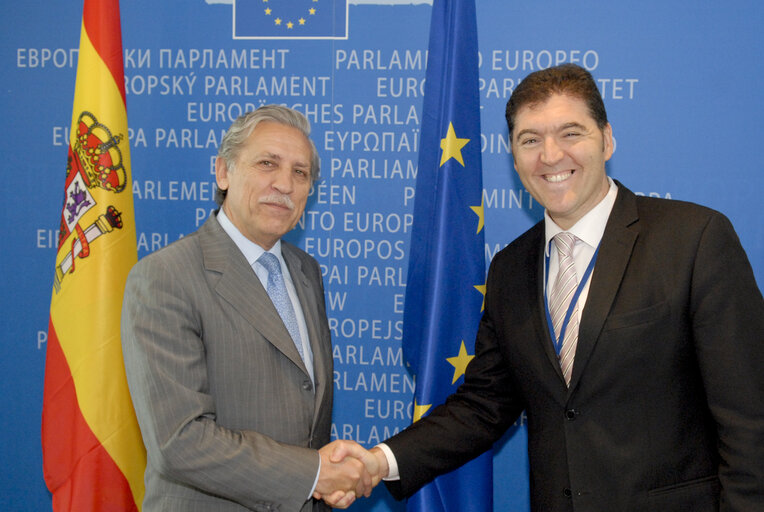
(278, 199)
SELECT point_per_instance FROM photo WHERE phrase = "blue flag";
(446, 275)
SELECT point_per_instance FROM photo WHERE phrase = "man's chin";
(281, 227)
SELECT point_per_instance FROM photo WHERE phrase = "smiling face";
(269, 184)
(560, 154)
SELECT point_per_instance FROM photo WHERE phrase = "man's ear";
(221, 173)
(514, 160)
(609, 147)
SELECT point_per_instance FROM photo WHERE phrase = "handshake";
(348, 471)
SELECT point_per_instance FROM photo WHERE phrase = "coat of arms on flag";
(95, 161)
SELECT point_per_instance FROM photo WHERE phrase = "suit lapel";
(615, 251)
(306, 295)
(241, 288)
(536, 262)
(321, 350)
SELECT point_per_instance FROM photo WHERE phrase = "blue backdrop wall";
(681, 83)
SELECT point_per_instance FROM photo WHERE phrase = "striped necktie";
(562, 292)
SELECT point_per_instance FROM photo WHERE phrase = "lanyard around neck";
(587, 274)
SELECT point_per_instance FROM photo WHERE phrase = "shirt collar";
(250, 249)
(591, 226)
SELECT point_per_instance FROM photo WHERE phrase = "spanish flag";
(93, 455)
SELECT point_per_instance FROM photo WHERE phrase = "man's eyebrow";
(277, 158)
(268, 154)
(571, 124)
(562, 127)
(526, 131)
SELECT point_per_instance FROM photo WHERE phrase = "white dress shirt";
(588, 231)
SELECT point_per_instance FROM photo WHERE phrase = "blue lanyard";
(558, 341)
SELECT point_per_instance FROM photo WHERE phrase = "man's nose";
(283, 181)
(551, 152)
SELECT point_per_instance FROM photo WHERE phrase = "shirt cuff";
(318, 473)
(392, 464)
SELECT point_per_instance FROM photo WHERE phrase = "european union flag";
(446, 276)
(290, 19)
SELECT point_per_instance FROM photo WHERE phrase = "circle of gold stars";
(289, 24)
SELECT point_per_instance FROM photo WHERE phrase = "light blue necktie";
(278, 294)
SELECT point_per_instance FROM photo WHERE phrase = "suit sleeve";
(469, 422)
(166, 369)
(727, 313)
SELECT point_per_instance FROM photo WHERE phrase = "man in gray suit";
(233, 402)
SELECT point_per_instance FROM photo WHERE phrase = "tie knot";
(564, 242)
(271, 263)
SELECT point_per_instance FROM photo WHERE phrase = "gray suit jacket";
(227, 410)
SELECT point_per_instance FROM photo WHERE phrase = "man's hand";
(348, 471)
(374, 460)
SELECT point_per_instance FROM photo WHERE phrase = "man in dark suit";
(642, 379)
(227, 346)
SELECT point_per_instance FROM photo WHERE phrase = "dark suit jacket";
(227, 410)
(665, 410)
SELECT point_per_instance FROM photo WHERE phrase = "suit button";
(571, 414)
(306, 385)
(567, 493)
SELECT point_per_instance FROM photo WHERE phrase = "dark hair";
(245, 124)
(569, 79)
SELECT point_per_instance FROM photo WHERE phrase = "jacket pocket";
(637, 317)
(700, 495)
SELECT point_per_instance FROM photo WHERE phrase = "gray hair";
(245, 124)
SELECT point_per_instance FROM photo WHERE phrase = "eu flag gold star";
(480, 212)
(460, 362)
(420, 410)
(452, 146)
(481, 289)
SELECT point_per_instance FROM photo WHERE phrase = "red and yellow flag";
(93, 455)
